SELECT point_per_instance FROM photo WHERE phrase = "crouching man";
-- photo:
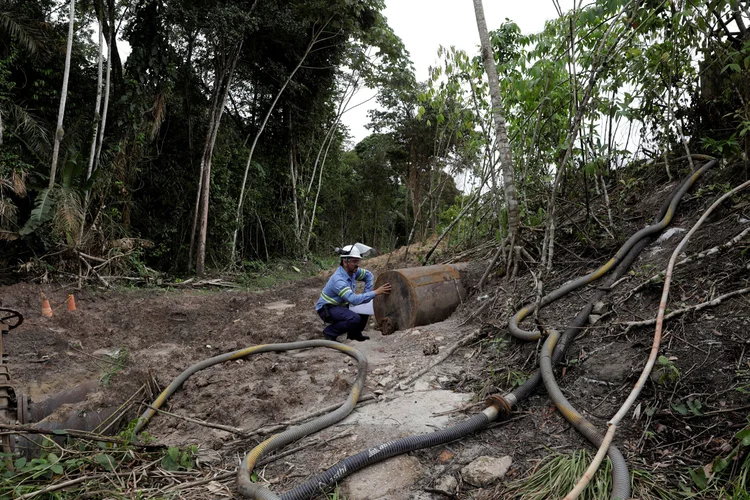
(332, 306)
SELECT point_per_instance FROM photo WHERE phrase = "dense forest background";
(217, 142)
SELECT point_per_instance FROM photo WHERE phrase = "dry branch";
(711, 251)
(677, 312)
(412, 378)
(58, 486)
(24, 429)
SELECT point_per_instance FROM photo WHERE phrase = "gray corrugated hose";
(620, 474)
(246, 486)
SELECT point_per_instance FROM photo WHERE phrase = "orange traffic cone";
(71, 303)
(46, 309)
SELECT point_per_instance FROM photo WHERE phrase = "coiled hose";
(513, 327)
(552, 351)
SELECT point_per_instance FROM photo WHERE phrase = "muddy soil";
(165, 330)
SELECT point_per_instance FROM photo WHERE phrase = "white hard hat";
(350, 251)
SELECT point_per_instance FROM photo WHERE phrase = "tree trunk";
(223, 82)
(107, 87)
(238, 216)
(95, 132)
(597, 66)
(97, 105)
(501, 142)
(343, 105)
(63, 96)
(107, 21)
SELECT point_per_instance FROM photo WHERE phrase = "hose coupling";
(500, 404)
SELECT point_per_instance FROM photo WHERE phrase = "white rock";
(447, 484)
(422, 385)
(486, 470)
(385, 381)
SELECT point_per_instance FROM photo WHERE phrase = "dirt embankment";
(166, 331)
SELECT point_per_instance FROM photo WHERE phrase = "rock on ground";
(486, 470)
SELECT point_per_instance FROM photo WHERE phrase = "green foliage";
(665, 371)
(175, 459)
(116, 364)
(507, 379)
(88, 462)
(727, 476)
(692, 406)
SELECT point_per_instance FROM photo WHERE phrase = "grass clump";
(557, 474)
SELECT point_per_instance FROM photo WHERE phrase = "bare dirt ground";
(166, 330)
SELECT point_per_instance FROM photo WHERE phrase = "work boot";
(332, 338)
(358, 337)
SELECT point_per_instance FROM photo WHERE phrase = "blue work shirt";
(339, 291)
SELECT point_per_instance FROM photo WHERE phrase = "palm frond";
(69, 214)
(160, 112)
(18, 183)
(29, 129)
(16, 27)
(8, 235)
(41, 213)
(8, 213)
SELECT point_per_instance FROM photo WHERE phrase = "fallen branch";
(105, 262)
(692, 258)
(677, 312)
(24, 429)
(227, 428)
(445, 355)
(92, 270)
(59, 486)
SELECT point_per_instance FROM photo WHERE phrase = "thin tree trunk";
(223, 82)
(501, 143)
(329, 137)
(597, 65)
(98, 104)
(107, 87)
(238, 216)
(63, 96)
(295, 200)
(97, 118)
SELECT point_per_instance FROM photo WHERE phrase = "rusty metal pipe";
(419, 296)
(76, 394)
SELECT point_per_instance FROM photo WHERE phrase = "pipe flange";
(387, 326)
(501, 404)
(22, 409)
